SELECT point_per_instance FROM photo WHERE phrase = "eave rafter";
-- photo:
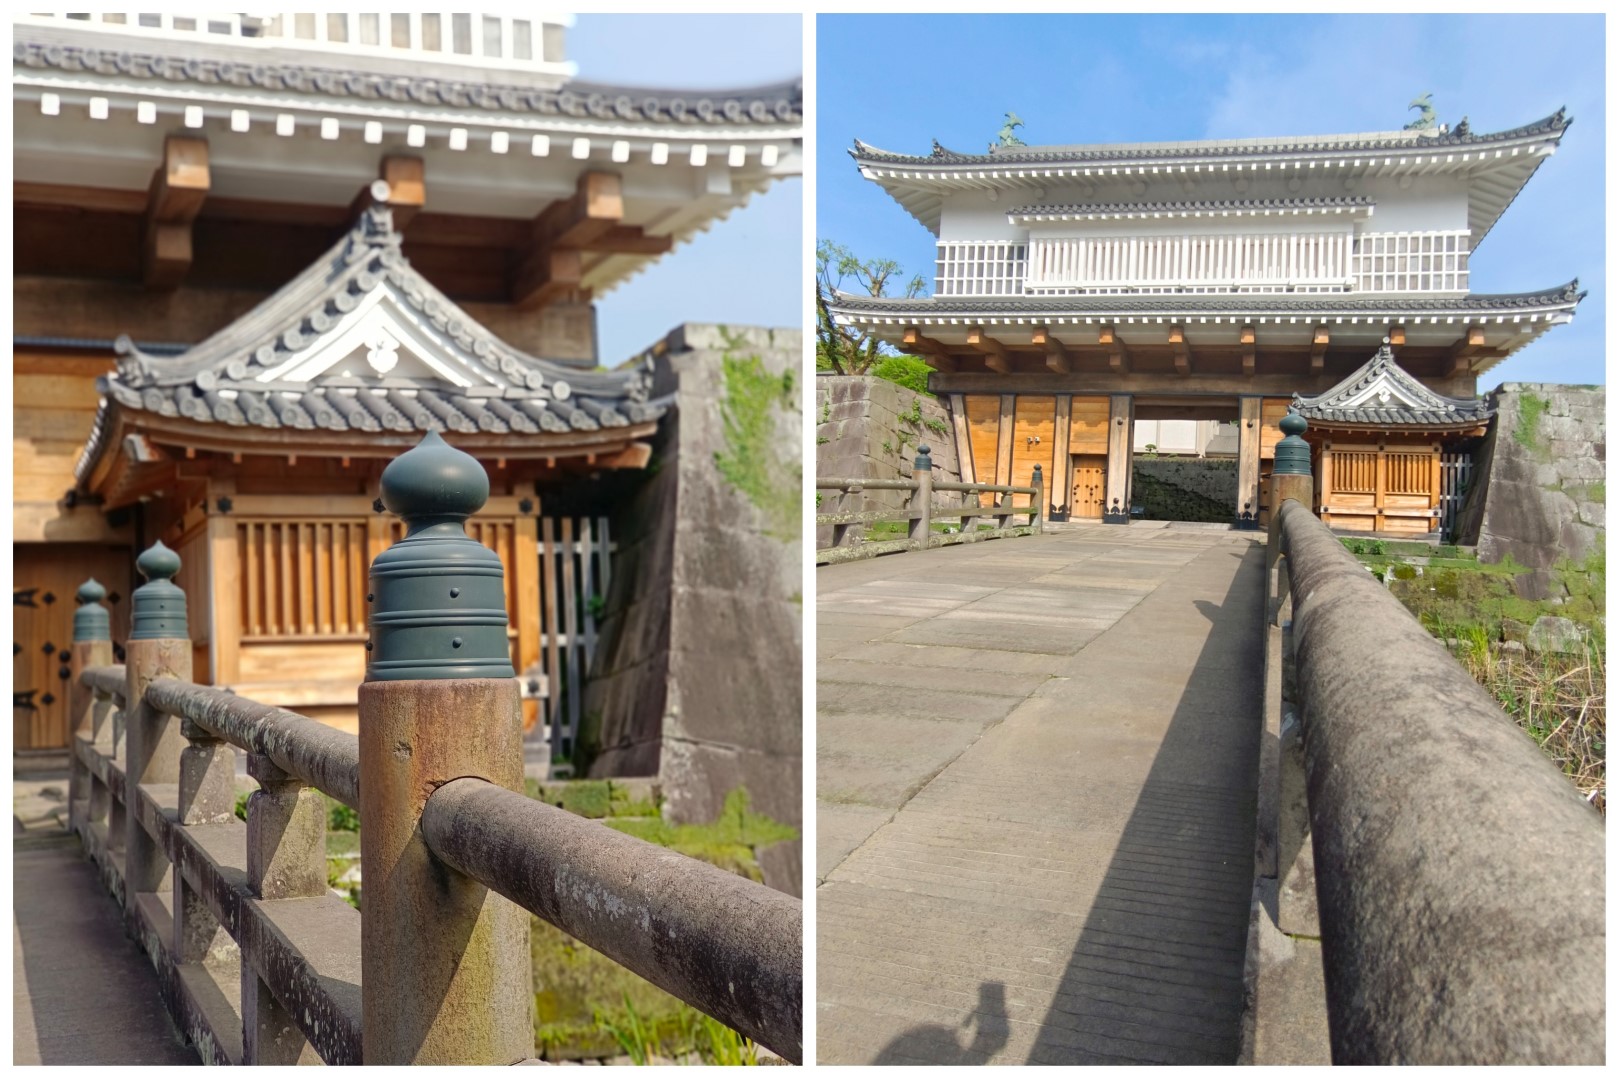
(177, 193)
(995, 353)
(936, 354)
(590, 221)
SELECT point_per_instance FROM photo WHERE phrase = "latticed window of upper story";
(1306, 262)
(533, 44)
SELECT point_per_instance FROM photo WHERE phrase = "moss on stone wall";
(753, 460)
(1527, 432)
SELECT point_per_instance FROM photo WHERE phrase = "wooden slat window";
(303, 578)
(1355, 472)
(1409, 474)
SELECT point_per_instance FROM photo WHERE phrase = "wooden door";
(1086, 496)
(45, 579)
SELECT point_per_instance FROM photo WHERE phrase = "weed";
(242, 804)
(632, 1035)
(341, 818)
(1527, 432)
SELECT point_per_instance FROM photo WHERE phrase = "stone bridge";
(1176, 795)
(248, 956)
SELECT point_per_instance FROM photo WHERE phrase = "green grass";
(1527, 432)
(752, 462)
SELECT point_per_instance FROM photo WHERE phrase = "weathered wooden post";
(922, 498)
(444, 961)
(92, 647)
(286, 858)
(1038, 482)
(159, 647)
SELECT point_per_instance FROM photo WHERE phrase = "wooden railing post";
(159, 647)
(922, 498)
(444, 960)
(92, 647)
(286, 858)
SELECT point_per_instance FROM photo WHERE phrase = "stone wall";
(697, 676)
(1184, 489)
(1539, 496)
(870, 427)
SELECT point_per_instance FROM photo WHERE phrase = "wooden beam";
(1397, 335)
(995, 353)
(1041, 335)
(937, 355)
(1057, 358)
(1246, 339)
(1119, 357)
(1319, 344)
(1467, 349)
(407, 189)
(631, 240)
(1178, 347)
(542, 280)
(177, 192)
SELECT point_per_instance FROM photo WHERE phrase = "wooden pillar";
(159, 647)
(1062, 483)
(1246, 514)
(1004, 439)
(225, 589)
(1117, 484)
(444, 961)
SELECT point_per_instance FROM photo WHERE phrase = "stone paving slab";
(1072, 884)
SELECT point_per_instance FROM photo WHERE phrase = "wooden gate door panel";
(44, 580)
(1086, 496)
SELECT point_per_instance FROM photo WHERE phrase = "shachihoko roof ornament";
(1381, 393)
(362, 342)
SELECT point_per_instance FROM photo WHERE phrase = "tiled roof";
(778, 103)
(1204, 208)
(1325, 304)
(1381, 393)
(264, 370)
(1458, 138)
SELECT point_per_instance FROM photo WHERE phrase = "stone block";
(1555, 634)
(1533, 585)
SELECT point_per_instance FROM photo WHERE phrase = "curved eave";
(1498, 165)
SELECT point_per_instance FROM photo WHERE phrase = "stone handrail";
(740, 949)
(920, 513)
(1459, 876)
(437, 968)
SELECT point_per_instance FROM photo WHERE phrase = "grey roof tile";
(1380, 393)
(1220, 206)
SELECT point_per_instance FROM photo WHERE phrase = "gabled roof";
(1381, 393)
(361, 343)
(1497, 164)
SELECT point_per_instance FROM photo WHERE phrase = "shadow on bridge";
(1157, 973)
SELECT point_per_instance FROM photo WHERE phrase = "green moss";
(1597, 492)
(1527, 432)
(1405, 572)
(729, 842)
(752, 461)
(907, 371)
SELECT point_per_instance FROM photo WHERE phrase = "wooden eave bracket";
(178, 190)
(1319, 344)
(935, 353)
(995, 353)
(591, 220)
(1467, 349)
(1246, 339)
(1179, 349)
(1119, 357)
(406, 178)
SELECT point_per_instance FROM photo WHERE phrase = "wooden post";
(159, 648)
(92, 647)
(1246, 515)
(286, 858)
(1117, 485)
(444, 961)
(922, 499)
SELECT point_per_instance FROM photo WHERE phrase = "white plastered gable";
(384, 336)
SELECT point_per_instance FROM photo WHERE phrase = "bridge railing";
(260, 962)
(1458, 876)
(920, 513)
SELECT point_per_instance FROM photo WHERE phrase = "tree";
(844, 349)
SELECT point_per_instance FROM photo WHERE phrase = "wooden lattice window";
(303, 578)
(1355, 472)
(1409, 474)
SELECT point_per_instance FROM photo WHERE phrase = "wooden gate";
(45, 578)
(1087, 494)
(1456, 470)
(576, 568)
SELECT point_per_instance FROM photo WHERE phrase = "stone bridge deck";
(1035, 780)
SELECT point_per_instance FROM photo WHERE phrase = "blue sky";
(1116, 78)
(748, 269)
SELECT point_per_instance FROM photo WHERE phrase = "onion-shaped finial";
(90, 621)
(1293, 454)
(159, 606)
